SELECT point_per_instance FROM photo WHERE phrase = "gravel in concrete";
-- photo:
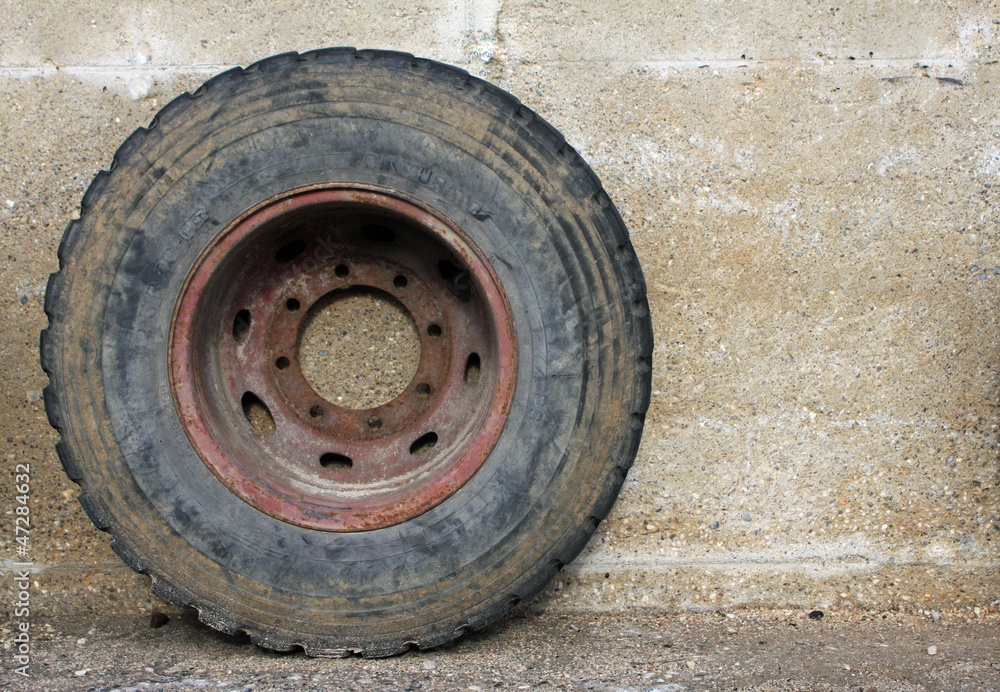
(543, 649)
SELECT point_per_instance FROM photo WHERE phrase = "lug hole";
(434, 330)
(336, 462)
(316, 411)
(341, 270)
(293, 304)
(374, 422)
(423, 389)
(257, 414)
(423, 443)
(400, 281)
(472, 368)
(289, 251)
(241, 326)
(282, 363)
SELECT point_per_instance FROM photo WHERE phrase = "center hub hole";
(359, 347)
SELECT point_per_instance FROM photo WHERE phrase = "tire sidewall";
(476, 523)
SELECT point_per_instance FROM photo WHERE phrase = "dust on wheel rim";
(307, 460)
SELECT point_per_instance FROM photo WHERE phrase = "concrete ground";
(540, 648)
(813, 193)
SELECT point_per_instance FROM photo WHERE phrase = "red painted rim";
(306, 460)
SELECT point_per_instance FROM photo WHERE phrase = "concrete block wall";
(812, 191)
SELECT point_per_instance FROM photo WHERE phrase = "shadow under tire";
(200, 444)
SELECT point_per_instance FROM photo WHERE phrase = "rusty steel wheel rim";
(234, 346)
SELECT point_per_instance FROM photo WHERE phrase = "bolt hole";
(378, 234)
(423, 443)
(472, 367)
(434, 330)
(293, 304)
(457, 280)
(316, 411)
(341, 270)
(241, 326)
(336, 462)
(400, 281)
(282, 363)
(423, 388)
(290, 250)
(257, 414)
(374, 422)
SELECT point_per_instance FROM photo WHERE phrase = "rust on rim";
(254, 418)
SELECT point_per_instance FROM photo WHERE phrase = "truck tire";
(199, 443)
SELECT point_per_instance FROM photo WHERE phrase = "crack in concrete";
(473, 37)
